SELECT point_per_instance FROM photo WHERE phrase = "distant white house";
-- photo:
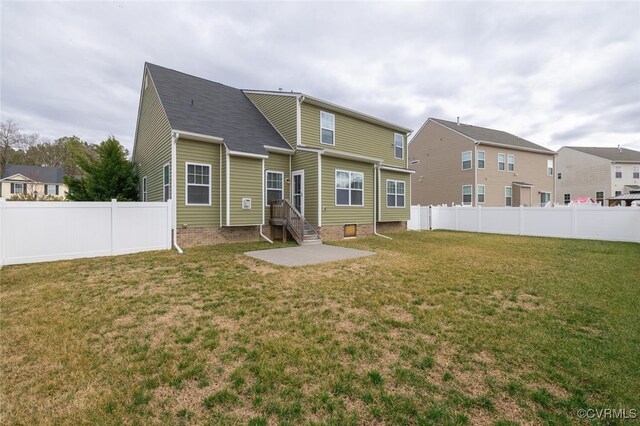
(32, 180)
(594, 172)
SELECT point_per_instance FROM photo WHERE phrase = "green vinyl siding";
(352, 136)
(394, 214)
(188, 151)
(308, 161)
(153, 142)
(245, 182)
(280, 110)
(340, 215)
(277, 163)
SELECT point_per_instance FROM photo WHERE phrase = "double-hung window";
(18, 188)
(466, 160)
(481, 159)
(480, 192)
(51, 190)
(327, 128)
(275, 187)
(508, 196)
(549, 167)
(144, 188)
(501, 158)
(567, 198)
(198, 184)
(349, 188)
(600, 197)
(166, 182)
(395, 193)
(636, 172)
(618, 172)
(398, 146)
(511, 163)
(467, 195)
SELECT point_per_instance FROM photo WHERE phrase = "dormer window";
(327, 128)
(398, 146)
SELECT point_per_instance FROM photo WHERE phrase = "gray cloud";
(555, 73)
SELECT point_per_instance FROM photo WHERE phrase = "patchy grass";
(437, 328)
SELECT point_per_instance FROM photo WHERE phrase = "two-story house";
(21, 180)
(596, 172)
(461, 164)
(231, 157)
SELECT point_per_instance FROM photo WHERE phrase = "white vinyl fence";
(593, 223)
(40, 231)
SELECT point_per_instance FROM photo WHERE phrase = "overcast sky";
(554, 73)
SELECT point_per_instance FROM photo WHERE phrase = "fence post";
(574, 220)
(455, 209)
(3, 235)
(114, 208)
(169, 223)
(479, 218)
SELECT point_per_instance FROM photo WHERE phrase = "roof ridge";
(193, 76)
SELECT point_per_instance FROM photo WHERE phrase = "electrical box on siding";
(246, 203)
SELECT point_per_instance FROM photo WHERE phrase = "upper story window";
(275, 187)
(327, 128)
(395, 193)
(166, 182)
(567, 198)
(549, 167)
(198, 184)
(349, 188)
(636, 172)
(466, 160)
(508, 191)
(481, 159)
(618, 172)
(511, 163)
(559, 175)
(501, 158)
(398, 146)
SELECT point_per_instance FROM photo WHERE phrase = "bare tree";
(12, 140)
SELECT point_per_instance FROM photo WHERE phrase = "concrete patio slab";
(307, 255)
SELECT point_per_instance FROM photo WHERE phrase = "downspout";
(263, 203)
(475, 173)
(376, 197)
(319, 190)
(553, 176)
(174, 189)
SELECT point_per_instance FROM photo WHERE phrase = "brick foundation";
(383, 227)
(336, 232)
(189, 237)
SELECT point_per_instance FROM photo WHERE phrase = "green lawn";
(437, 328)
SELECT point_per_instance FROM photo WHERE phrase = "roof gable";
(200, 106)
(35, 173)
(492, 136)
(619, 155)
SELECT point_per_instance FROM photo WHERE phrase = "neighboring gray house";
(599, 173)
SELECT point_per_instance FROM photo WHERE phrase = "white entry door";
(297, 191)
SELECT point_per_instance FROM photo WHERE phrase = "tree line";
(93, 172)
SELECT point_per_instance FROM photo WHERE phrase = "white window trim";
(470, 160)
(22, 185)
(484, 194)
(484, 160)
(544, 192)
(510, 196)
(564, 198)
(509, 163)
(266, 185)
(144, 188)
(165, 165)
(550, 169)
(504, 156)
(615, 172)
(635, 169)
(301, 174)
(335, 191)
(471, 199)
(396, 193)
(326, 128)
(46, 188)
(395, 135)
(186, 184)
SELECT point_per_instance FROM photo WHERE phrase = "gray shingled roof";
(36, 173)
(196, 105)
(612, 154)
(484, 134)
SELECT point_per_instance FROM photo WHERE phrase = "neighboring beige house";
(459, 163)
(596, 172)
(33, 180)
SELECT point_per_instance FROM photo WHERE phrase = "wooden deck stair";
(289, 218)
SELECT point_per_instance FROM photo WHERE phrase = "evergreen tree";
(110, 176)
